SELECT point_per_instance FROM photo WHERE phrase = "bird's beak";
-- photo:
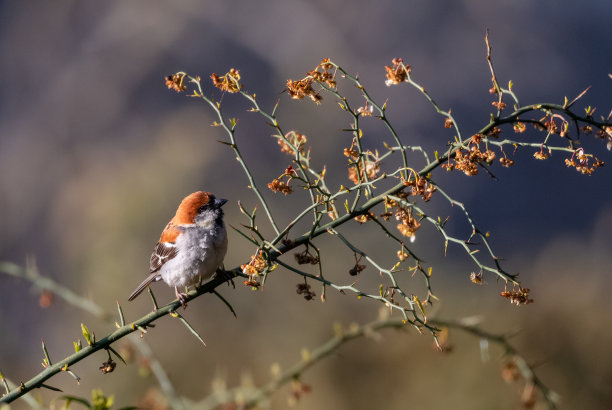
(219, 202)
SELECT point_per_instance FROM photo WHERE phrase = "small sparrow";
(191, 247)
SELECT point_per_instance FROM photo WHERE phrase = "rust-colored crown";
(185, 214)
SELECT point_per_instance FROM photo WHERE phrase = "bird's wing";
(163, 252)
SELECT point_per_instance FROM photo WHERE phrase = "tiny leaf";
(47, 360)
(6, 386)
(86, 334)
(416, 300)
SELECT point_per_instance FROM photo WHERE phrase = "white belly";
(200, 251)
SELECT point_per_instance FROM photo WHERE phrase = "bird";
(191, 247)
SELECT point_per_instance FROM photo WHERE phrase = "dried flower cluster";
(365, 217)
(365, 111)
(175, 82)
(402, 255)
(409, 225)
(322, 73)
(580, 161)
(306, 257)
(541, 154)
(371, 170)
(398, 73)
(298, 389)
(468, 162)
(606, 134)
(511, 373)
(495, 132)
(229, 82)
(499, 105)
(372, 167)
(421, 187)
(303, 88)
(279, 185)
(108, 366)
(476, 278)
(295, 140)
(549, 124)
(520, 297)
(304, 290)
(356, 269)
(254, 268)
(506, 162)
(519, 127)
(46, 298)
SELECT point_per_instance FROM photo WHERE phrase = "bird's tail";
(151, 278)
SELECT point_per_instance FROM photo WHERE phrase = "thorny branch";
(139, 325)
(403, 194)
(513, 362)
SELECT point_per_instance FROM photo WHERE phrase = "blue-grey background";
(95, 154)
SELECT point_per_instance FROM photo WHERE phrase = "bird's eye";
(203, 208)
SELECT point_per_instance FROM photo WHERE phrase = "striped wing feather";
(162, 253)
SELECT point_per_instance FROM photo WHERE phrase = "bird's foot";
(182, 297)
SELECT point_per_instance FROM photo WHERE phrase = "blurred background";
(96, 153)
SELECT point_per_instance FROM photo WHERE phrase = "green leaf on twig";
(46, 361)
(70, 399)
(416, 300)
(6, 386)
(89, 336)
(100, 402)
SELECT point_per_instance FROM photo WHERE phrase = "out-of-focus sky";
(95, 154)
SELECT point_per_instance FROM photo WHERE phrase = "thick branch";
(107, 341)
(339, 340)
